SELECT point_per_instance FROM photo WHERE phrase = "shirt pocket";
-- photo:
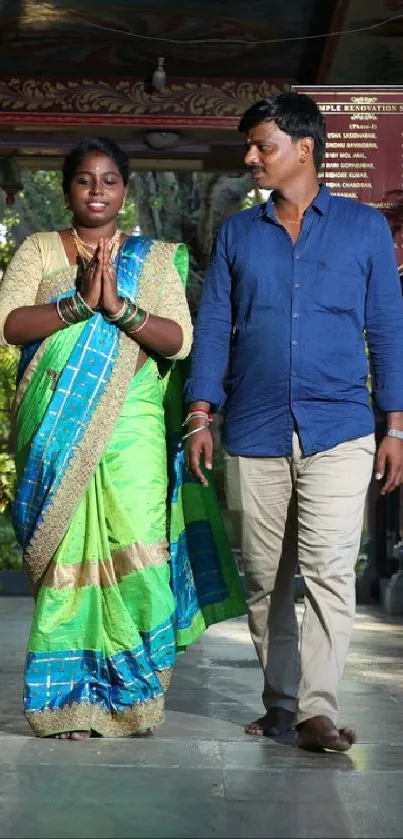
(335, 289)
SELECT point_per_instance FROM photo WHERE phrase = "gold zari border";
(106, 572)
(89, 451)
(84, 716)
(56, 282)
(164, 677)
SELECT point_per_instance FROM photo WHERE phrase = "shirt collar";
(320, 204)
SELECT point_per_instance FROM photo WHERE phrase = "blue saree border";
(61, 678)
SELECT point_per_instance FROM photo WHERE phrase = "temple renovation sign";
(364, 148)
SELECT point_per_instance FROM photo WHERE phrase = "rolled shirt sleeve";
(384, 320)
(210, 353)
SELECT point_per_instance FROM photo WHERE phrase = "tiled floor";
(200, 775)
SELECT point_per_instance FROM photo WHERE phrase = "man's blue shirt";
(280, 336)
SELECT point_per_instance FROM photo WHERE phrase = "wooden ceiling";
(197, 37)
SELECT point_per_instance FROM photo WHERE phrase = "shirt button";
(295, 343)
(295, 315)
(296, 285)
(297, 257)
(294, 373)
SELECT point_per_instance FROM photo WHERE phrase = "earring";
(123, 206)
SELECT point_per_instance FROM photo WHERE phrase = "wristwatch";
(394, 432)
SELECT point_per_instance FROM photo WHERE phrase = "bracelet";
(119, 313)
(195, 431)
(128, 315)
(124, 311)
(199, 413)
(394, 432)
(61, 316)
(86, 306)
(135, 331)
(73, 309)
(135, 317)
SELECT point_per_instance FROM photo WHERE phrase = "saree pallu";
(129, 554)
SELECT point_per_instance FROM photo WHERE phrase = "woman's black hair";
(102, 145)
(294, 113)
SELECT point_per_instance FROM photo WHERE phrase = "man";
(292, 286)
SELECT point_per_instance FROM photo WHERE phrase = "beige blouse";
(40, 271)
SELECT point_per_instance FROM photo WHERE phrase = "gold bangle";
(119, 313)
(63, 319)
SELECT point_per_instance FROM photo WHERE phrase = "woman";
(101, 318)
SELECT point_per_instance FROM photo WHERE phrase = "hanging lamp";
(10, 178)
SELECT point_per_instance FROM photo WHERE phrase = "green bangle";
(81, 311)
(131, 310)
(73, 309)
(129, 317)
(85, 307)
(80, 308)
(121, 312)
(136, 318)
(124, 316)
(66, 312)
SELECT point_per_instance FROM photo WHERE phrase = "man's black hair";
(295, 114)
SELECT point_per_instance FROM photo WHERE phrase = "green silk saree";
(128, 554)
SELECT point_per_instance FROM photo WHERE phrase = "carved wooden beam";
(216, 103)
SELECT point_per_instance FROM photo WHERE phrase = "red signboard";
(364, 148)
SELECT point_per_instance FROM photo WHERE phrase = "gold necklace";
(86, 251)
(290, 220)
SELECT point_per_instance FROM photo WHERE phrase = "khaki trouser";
(308, 509)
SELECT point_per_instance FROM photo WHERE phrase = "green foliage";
(39, 207)
(7, 249)
(128, 217)
(8, 372)
(10, 552)
(44, 201)
(253, 197)
(7, 480)
(9, 357)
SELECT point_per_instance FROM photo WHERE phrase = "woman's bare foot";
(274, 723)
(319, 733)
(146, 733)
(80, 735)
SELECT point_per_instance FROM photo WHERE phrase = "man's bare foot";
(319, 733)
(274, 723)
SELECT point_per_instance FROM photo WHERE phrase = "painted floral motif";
(131, 100)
